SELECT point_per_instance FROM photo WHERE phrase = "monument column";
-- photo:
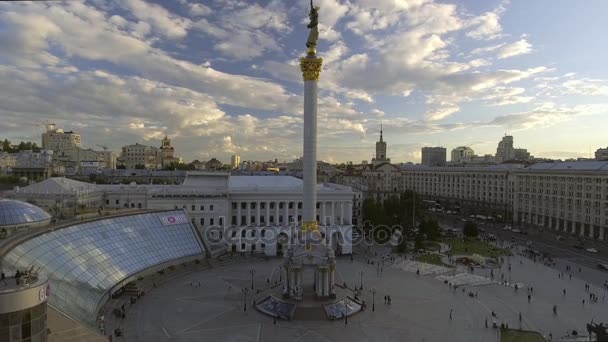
(311, 71)
(267, 204)
(276, 214)
(257, 214)
(238, 214)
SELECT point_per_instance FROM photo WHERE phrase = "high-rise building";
(601, 154)
(235, 161)
(56, 139)
(433, 156)
(522, 154)
(380, 150)
(505, 150)
(462, 154)
(167, 153)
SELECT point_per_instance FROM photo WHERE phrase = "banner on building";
(170, 220)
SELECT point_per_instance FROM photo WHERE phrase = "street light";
(245, 292)
(252, 271)
(346, 310)
(373, 291)
(361, 287)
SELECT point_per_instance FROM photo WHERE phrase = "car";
(559, 238)
(491, 237)
(578, 246)
(591, 250)
(516, 231)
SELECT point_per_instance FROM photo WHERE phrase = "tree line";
(7, 146)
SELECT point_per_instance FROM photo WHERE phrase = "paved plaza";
(419, 309)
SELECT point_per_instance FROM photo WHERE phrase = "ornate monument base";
(309, 252)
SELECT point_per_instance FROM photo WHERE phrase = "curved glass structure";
(84, 261)
(14, 212)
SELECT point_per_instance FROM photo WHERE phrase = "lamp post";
(361, 274)
(245, 292)
(373, 291)
(252, 271)
(346, 310)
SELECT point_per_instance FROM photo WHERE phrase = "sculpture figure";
(313, 35)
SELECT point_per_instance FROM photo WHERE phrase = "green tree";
(6, 146)
(140, 166)
(470, 229)
(431, 228)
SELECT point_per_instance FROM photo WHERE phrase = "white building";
(140, 155)
(569, 197)
(244, 212)
(7, 162)
(462, 154)
(235, 161)
(601, 154)
(57, 139)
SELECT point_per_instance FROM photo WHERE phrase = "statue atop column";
(313, 35)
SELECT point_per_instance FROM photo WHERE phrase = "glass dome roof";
(14, 212)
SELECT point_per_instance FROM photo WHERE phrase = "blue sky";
(221, 76)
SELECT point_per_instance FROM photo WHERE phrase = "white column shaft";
(310, 152)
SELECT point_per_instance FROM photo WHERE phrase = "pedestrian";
(564, 292)
(451, 314)
(570, 276)
(520, 317)
(385, 300)
(583, 302)
(529, 299)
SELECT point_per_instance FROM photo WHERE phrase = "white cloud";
(586, 86)
(442, 112)
(198, 10)
(517, 48)
(163, 22)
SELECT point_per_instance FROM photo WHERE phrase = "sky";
(221, 77)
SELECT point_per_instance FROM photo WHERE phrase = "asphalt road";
(563, 251)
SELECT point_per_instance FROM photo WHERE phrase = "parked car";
(559, 238)
(516, 231)
(578, 246)
(507, 228)
(591, 250)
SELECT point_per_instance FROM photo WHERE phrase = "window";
(117, 201)
(252, 205)
(243, 232)
(202, 221)
(280, 205)
(243, 205)
(280, 218)
(252, 218)
(221, 221)
(211, 221)
(233, 220)
(271, 205)
(263, 232)
(243, 247)
(210, 207)
(271, 219)
(193, 207)
(243, 219)
(202, 207)
(233, 205)
(299, 205)
(263, 205)
(290, 205)
(107, 202)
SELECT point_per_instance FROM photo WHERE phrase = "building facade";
(139, 155)
(601, 154)
(56, 139)
(569, 197)
(235, 161)
(462, 154)
(381, 156)
(433, 156)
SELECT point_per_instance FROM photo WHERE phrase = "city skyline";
(222, 76)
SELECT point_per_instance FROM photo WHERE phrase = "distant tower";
(380, 150)
(167, 151)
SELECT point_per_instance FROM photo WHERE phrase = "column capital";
(311, 68)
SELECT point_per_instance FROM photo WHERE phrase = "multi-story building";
(56, 139)
(7, 162)
(381, 156)
(567, 197)
(235, 161)
(72, 159)
(138, 155)
(505, 150)
(522, 154)
(601, 154)
(433, 156)
(485, 190)
(167, 153)
(462, 154)
(214, 201)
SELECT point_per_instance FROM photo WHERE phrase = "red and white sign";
(173, 219)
